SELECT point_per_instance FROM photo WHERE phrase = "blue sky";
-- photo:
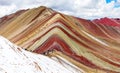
(117, 2)
(89, 9)
(108, 1)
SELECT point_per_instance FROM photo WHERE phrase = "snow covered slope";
(14, 59)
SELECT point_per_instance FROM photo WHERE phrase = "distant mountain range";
(73, 44)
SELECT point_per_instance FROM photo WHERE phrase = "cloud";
(6, 9)
(88, 9)
(91, 9)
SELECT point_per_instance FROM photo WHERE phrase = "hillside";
(91, 45)
(14, 59)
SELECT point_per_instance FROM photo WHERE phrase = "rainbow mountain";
(91, 45)
(14, 59)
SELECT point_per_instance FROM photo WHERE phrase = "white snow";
(14, 59)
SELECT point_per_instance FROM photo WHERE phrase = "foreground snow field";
(13, 59)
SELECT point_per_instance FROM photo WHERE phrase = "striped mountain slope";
(91, 45)
(14, 59)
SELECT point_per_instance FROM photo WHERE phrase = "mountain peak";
(42, 7)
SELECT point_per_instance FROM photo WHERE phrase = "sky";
(88, 9)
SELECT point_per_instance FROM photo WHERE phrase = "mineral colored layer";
(91, 45)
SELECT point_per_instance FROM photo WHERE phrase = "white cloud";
(5, 10)
(81, 8)
(94, 9)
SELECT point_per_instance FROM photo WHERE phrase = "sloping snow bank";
(14, 59)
